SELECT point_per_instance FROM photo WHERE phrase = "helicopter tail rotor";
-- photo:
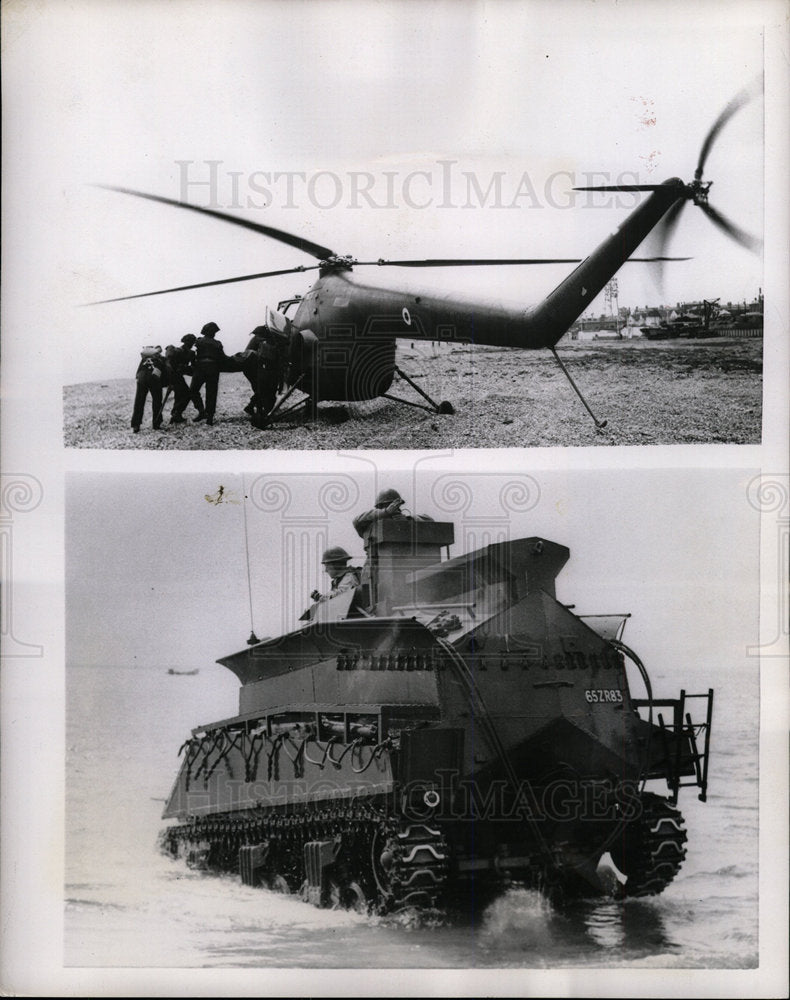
(741, 99)
(697, 190)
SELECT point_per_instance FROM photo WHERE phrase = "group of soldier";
(335, 560)
(203, 358)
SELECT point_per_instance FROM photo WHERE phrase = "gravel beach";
(649, 392)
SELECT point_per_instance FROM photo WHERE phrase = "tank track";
(651, 852)
(416, 865)
(389, 863)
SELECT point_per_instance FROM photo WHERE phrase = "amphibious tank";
(445, 730)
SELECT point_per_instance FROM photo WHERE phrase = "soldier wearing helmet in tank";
(343, 576)
(389, 504)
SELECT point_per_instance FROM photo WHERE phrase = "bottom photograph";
(412, 719)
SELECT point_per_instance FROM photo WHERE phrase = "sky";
(377, 129)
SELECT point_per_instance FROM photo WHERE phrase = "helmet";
(336, 554)
(188, 339)
(386, 497)
(209, 330)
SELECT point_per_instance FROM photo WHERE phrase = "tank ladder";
(681, 739)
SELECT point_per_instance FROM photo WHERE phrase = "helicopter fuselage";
(344, 330)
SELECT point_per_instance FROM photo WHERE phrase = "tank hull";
(478, 733)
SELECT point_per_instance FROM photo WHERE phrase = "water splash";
(520, 917)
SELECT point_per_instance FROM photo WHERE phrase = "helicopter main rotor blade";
(206, 284)
(493, 261)
(624, 187)
(470, 262)
(735, 232)
(299, 242)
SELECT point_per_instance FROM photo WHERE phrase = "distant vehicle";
(749, 320)
(183, 673)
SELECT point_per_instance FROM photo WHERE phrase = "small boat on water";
(183, 673)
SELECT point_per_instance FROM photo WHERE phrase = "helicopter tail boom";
(575, 293)
(349, 308)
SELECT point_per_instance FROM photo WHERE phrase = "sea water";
(129, 905)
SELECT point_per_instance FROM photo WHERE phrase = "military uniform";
(364, 522)
(264, 373)
(180, 362)
(388, 507)
(151, 376)
(209, 360)
(348, 581)
(343, 577)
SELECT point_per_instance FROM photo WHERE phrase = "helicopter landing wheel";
(446, 407)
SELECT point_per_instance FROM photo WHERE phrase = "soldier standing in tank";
(180, 362)
(389, 504)
(210, 358)
(343, 577)
(151, 376)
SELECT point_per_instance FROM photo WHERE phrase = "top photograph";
(326, 227)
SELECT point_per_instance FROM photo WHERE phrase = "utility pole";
(611, 299)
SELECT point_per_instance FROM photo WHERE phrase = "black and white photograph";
(389, 245)
(395, 498)
(416, 718)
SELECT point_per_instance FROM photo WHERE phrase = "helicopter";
(340, 341)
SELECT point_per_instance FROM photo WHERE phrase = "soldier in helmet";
(150, 377)
(264, 371)
(389, 504)
(251, 366)
(208, 363)
(343, 577)
(180, 361)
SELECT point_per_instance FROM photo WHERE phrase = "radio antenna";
(253, 639)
